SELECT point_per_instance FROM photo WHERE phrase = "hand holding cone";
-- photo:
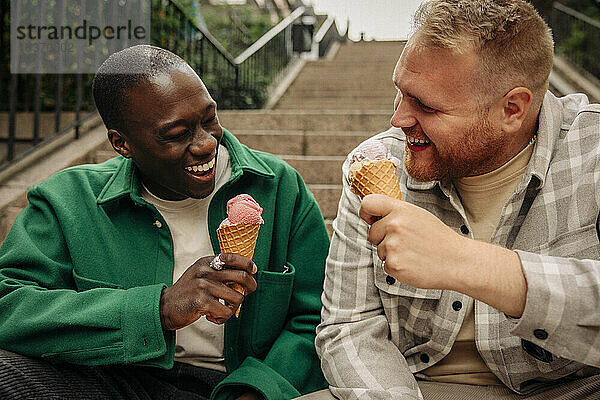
(239, 231)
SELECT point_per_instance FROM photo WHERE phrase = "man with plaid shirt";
(484, 281)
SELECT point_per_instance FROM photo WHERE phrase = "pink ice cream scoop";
(373, 150)
(243, 209)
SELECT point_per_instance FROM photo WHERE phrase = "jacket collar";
(550, 122)
(125, 181)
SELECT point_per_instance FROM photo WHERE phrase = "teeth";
(201, 167)
(417, 141)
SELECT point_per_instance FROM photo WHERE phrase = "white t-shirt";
(200, 343)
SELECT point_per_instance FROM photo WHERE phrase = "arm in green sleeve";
(43, 315)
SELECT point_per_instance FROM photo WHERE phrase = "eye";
(174, 135)
(210, 120)
(425, 108)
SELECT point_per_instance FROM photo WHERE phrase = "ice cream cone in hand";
(373, 170)
(239, 231)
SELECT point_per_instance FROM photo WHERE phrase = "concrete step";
(335, 70)
(349, 75)
(102, 155)
(343, 95)
(318, 92)
(383, 83)
(328, 197)
(339, 103)
(326, 170)
(8, 216)
(371, 48)
(312, 121)
(329, 226)
(303, 143)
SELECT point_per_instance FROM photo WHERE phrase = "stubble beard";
(471, 156)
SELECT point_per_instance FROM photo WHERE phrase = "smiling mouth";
(417, 142)
(201, 169)
(416, 145)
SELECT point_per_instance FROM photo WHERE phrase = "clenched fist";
(198, 291)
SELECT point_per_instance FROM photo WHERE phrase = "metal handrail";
(235, 82)
(213, 40)
(576, 38)
(320, 35)
(263, 40)
(326, 34)
(576, 14)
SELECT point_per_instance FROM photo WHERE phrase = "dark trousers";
(28, 378)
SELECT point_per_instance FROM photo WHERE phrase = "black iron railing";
(327, 35)
(576, 38)
(261, 62)
(40, 108)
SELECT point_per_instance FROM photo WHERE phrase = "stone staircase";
(332, 105)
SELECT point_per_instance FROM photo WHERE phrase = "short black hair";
(123, 71)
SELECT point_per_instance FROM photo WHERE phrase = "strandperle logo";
(68, 36)
(86, 31)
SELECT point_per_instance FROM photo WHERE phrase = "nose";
(202, 142)
(403, 117)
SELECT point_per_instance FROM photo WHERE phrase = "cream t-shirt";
(200, 343)
(483, 197)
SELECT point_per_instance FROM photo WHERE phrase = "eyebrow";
(414, 97)
(182, 121)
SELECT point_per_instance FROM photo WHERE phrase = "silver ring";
(216, 263)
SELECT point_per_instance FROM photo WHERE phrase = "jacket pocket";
(272, 300)
(83, 283)
(395, 288)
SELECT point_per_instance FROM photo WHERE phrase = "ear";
(515, 105)
(119, 143)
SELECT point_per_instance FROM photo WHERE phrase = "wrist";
(164, 319)
(494, 276)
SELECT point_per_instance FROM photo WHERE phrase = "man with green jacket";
(109, 283)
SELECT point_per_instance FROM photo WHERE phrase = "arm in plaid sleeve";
(561, 312)
(563, 267)
(357, 357)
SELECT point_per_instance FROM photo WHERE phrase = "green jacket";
(83, 266)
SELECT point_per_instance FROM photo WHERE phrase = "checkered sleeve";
(561, 312)
(357, 356)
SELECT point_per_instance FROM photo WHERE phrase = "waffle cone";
(239, 239)
(377, 176)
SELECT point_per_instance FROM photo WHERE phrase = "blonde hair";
(513, 42)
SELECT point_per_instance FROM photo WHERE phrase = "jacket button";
(457, 305)
(425, 358)
(540, 334)
(157, 224)
(464, 229)
(390, 280)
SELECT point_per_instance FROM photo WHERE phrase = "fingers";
(237, 269)
(238, 276)
(376, 206)
(381, 253)
(236, 261)
(218, 312)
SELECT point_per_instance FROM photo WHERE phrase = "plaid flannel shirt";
(376, 333)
